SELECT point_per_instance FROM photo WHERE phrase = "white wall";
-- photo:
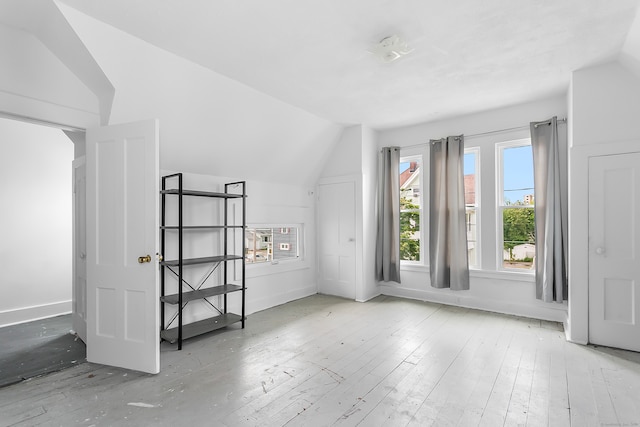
(370, 287)
(604, 105)
(39, 85)
(35, 238)
(505, 292)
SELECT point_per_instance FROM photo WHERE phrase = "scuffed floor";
(36, 348)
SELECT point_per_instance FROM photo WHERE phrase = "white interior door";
(79, 293)
(614, 242)
(337, 232)
(123, 320)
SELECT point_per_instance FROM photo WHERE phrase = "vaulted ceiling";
(467, 56)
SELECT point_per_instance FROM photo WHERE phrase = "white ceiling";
(469, 55)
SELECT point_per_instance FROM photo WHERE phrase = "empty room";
(305, 213)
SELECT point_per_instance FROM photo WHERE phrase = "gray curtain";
(549, 173)
(388, 215)
(448, 256)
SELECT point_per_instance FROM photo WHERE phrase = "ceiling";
(468, 55)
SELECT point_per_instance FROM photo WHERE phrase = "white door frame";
(577, 324)
(356, 180)
(79, 290)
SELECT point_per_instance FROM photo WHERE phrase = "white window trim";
(500, 146)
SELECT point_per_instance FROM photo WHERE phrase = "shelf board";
(201, 293)
(203, 260)
(201, 327)
(203, 194)
(199, 227)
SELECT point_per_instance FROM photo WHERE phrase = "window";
(410, 208)
(471, 202)
(516, 230)
(271, 244)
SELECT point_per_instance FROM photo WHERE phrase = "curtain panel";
(448, 255)
(388, 216)
(550, 192)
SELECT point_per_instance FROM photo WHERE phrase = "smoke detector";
(390, 48)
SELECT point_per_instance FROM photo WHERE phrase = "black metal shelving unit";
(186, 292)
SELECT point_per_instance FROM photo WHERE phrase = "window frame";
(500, 204)
(278, 226)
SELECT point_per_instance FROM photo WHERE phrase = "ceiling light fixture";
(390, 48)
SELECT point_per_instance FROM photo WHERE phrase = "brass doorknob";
(142, 259)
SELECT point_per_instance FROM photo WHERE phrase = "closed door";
(614, 244)
(336, 237)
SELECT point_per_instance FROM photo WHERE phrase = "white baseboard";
(260, 304)
(36, 312)
(534, 311)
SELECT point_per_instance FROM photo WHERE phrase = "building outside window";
(271, 244)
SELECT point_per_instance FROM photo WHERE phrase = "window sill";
(269, 268)
(482, 274)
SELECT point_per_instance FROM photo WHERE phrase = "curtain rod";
(491, 132)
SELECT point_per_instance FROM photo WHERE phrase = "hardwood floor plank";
(521, 393)
(494, 412)
(495, 352)
(582, 401)
(558, 396)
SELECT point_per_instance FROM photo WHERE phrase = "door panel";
(122, 225)
(337, 239)
(614, 265)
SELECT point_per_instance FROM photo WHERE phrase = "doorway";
(36, 244)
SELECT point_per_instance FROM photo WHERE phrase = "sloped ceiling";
(43, 19)
(468, 55)
(630, 54)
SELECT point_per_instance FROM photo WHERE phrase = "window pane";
(410, 236)
(518, 237)
(271, 244)
(517, 185)
(410, 184)
(471, 236)
(470, 194)
(410, 209)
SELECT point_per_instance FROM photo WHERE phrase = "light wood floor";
(327, 361)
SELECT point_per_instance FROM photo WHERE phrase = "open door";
(122, 242)
(79, 268)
